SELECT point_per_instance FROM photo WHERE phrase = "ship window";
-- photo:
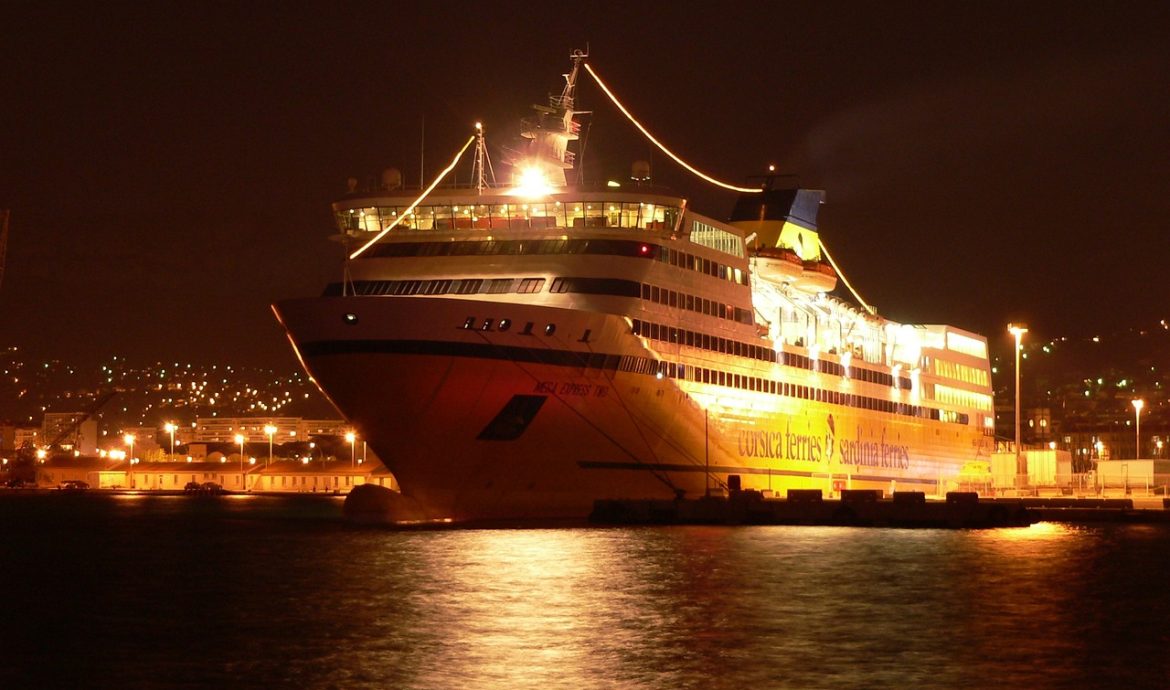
(350, 318)
(487, 325)
(673, 298)
(645, 291)
(499, 286)
(654, 293)
(595, 215)
(412, 221)
(550, 329)
(469, 323)
(505, 324)
(531, 285)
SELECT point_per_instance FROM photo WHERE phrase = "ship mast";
(551, 130)
(481, 168)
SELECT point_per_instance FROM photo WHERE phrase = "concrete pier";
(870, 508)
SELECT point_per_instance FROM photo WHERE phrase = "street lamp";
(1137, 415)
(243, 478)
(170, 427)
(129, 439)
(270, 430)
(351, 437)
(1018, 330)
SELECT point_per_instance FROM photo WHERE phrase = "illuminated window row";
(701, 265)
(465, 286)
(961, 372)
(716, 238)
(706, 341)
(523, 216)
(606, 247)
(963, 398)
(715, 377)
(699, 305)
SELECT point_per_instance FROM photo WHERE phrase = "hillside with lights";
(1076, 392)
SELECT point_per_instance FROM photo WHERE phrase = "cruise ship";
(520, 350)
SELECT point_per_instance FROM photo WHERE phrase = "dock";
(871, 508)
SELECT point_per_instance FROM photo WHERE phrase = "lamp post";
(243, 477)
(270, 430)
(351, 437)
(1137, 416)
(170, 427)
(1018, 330)
(129, 439)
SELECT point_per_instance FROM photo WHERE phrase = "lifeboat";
(816, 276)
(778, 265)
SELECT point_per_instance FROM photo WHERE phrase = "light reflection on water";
(272, 593)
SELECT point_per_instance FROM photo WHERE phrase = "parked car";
(193, 487)
(74, 485)
(210, 488)
(18, 484)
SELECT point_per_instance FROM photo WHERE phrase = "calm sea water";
(186, 592)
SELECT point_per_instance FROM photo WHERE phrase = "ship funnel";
(781, 219)
(781, 227)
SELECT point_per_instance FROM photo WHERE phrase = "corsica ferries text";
(789, 445)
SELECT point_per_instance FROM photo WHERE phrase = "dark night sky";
(170, 166)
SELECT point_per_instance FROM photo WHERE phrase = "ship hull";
(482, 422)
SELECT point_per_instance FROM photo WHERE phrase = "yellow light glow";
(446, 171)
(712, 180)
(350, 436)
(1138, 404)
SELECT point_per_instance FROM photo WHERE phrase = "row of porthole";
(471, 323)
